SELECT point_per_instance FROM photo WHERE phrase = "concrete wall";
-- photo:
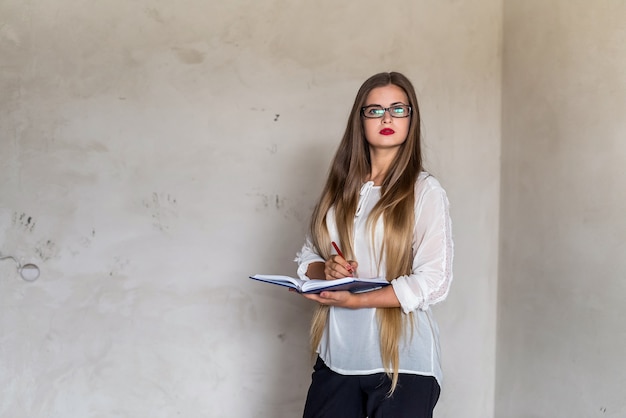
(154, 154)
(561, 336)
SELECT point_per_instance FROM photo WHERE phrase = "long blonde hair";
(349, 169)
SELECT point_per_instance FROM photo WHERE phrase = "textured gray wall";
(561, 335)
(156, 153)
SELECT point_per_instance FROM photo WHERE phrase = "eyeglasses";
(377, 112)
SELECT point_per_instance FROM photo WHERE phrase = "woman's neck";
(380, 162)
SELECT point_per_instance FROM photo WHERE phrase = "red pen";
(348, 266)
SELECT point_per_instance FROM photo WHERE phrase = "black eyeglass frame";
(386, 109)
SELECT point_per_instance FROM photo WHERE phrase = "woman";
(378, 351)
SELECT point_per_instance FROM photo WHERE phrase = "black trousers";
(333, 395)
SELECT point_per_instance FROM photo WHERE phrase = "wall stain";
(24, 222)
(84, 242)
(154, 14)
(87, 240)
(294, 213)
(162, 207)
(46, 249)
(189, 56)
(270, 201)
(276, 118)
(119, 266)
(273, 149)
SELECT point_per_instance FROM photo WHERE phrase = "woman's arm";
(431, 275)
(381, 298)
(315, 270)
(334, 268)
(306, 257)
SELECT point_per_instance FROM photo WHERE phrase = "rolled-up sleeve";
(433, 249)
(306, 256)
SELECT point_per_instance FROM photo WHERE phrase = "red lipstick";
(387, 131)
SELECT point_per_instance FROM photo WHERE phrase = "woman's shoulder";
(425, 182)
(429, 191)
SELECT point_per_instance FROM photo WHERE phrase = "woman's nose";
(387, 116)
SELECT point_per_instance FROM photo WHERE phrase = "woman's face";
(386, 132)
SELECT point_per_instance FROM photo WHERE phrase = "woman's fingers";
(341, 298)
(337, 267)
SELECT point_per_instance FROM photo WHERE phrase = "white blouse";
(350, 344)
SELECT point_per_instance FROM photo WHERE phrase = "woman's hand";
(341, 298)
(381, 298)
(337, 267)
